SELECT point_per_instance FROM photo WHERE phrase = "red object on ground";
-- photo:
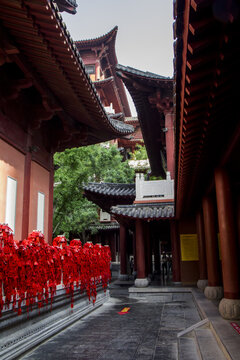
(236, 327)
(124, 311)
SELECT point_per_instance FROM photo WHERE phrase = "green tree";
(76, 167)
(140, 153)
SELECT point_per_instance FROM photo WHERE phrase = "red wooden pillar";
(213, 290)
(113, 246)
(229, 306)
(97, 70)
(202, 282)
(141, 280)
(97, 239)
(134, 254)
(118, 243)
(176, 268)
(26, 190)
(50, 205)
(148, 250)
(238, 220)
(156, 256)
(123, 253)
(169, 125)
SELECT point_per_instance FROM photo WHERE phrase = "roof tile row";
(145, 211)
(112, 189)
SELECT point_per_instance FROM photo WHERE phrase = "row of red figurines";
(31, 269)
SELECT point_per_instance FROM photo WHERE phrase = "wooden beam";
(207, 72)
(199, 45)
(200, 4)
(201, 61)
(11, 89)
(49, 100)
(198, 26)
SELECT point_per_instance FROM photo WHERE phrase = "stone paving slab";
(148, 331)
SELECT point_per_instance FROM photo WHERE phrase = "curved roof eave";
(147, 114)
(108, 38)
(112, 189)
(111, 35)
(69, 6)
(53, 51)
(144, 74)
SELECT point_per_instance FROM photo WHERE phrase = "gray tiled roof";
(99, 39)
(105, 226)
(112, 189)
(145, 211)
(146, 74)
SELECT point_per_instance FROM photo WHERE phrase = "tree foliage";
(140, 153)
(76, 167)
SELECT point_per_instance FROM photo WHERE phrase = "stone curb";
(28, 338)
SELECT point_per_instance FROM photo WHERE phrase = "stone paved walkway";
(148, 331)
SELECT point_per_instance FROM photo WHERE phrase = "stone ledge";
(227, 338)
(155, 289)
(20, 337)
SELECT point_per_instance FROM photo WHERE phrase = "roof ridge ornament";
(66, 5)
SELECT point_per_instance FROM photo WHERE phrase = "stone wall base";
(21, 333)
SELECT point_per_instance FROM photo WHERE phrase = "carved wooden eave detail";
(6, 48)
(11, 89)
(163, 104)
(48, 80)
(151, 94)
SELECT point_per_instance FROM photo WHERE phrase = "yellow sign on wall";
(189, 247)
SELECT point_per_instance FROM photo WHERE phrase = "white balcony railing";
(154, 190)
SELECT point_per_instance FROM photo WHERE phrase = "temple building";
(191, 132)
(152, 95)
(128, 143)
(145, 224)
(48, 103)
(99, 57)
(106, 195)
(207, 187)
(190, 126)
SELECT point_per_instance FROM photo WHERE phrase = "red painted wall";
(39, 182)
(11, 164)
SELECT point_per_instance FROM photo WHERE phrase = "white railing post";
(154, 190)
(139, 182)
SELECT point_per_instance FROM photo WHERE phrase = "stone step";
(188, 349)
(208, 345)
(198, 342)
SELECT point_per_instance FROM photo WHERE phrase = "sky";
(145, 32)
